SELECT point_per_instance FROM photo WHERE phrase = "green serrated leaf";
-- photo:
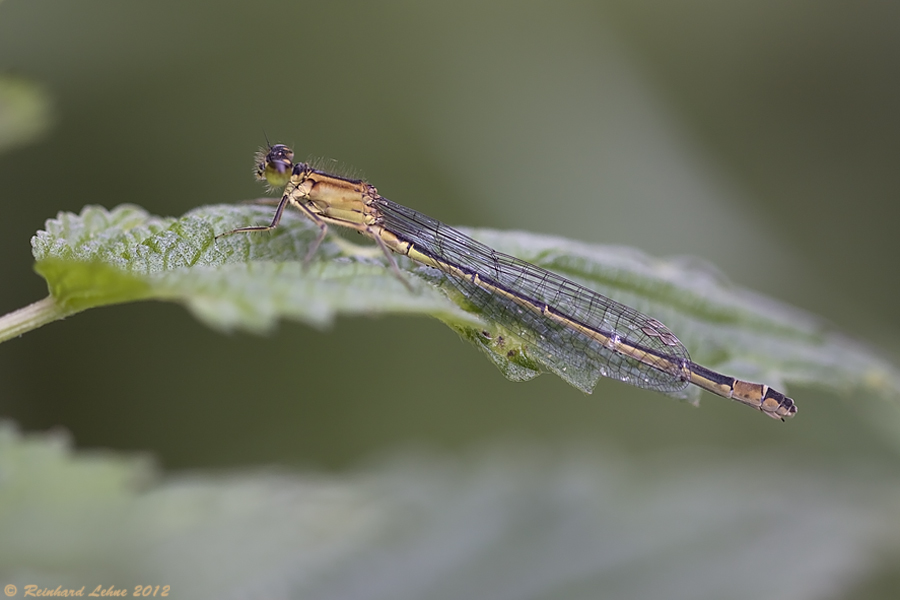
(251, 281)
(241, 281)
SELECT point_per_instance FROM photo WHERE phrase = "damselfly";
(572, 326)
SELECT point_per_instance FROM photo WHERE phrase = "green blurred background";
(761, 136)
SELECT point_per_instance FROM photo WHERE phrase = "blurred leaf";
(25, 111)
(506, 523)
(250, 281)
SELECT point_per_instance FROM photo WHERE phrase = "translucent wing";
(582, 352)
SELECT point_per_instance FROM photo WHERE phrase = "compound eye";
(280, 152)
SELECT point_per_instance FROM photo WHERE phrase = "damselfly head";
(274, 165)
